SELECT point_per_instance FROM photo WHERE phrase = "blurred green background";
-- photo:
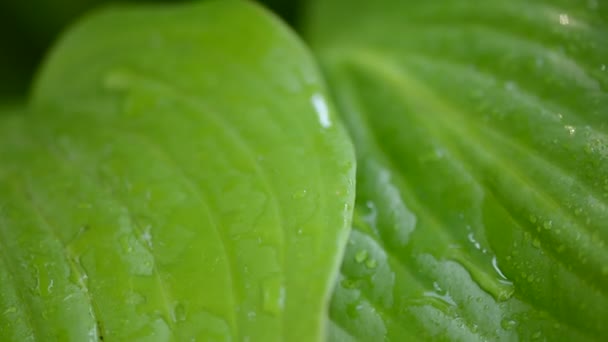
(29, 27)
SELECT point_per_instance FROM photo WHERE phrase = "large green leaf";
(179, 176)
(481, 130)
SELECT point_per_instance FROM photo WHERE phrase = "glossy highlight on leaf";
(481, 131)
(177, 175)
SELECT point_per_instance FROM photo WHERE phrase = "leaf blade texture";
(480, 131)
(178, 174)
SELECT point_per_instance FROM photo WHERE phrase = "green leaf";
(481, 131)
(178, 176)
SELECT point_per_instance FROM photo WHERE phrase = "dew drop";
(348, 283)
(361, 256)
(548, 224)
(371, 263)
(179, 313)
(533, 219)
(536, 243)
(10, 310)
(134, 298)
(571, 129)
(353, 309)
(49, 288)
(147, 236)
(300, 194)
(322, 109)
(508, 324)
(273, 295)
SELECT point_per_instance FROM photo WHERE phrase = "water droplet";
(320, 105)
(472, 240)
(251, 315)
(147, 236)
(134, 299)
(10, 310)
(603, 67)
(536, 243)
(273, 295)
(361, 256)
(299, 194)
(497, 269)
(530, 278)
(352, 309)
(533, 219)
(564, 19)
(179, 312)
(348, 283)
(124, 243)
(548, 224)
(371, 263)
(49, 288)
(508, 324)
(571, 129)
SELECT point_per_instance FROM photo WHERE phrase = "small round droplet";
(533, 219)
(508, 324)
(300, 194)
(536, 243)
(571, 129)
(548, 224)
(179, 312)
(371, 263)
(348, 283)
(361, 256)
(273, 295)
